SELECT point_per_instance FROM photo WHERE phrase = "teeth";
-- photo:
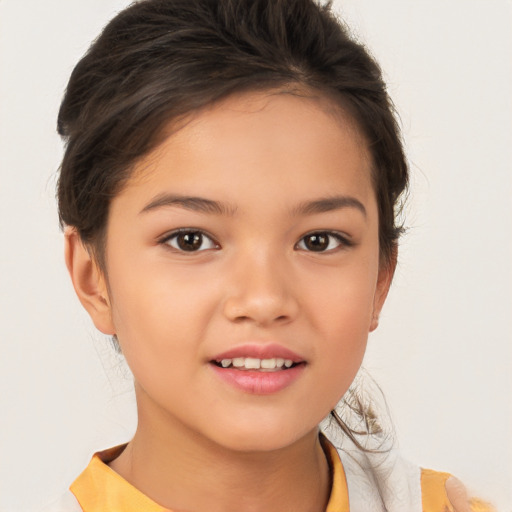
(253, 363)
(268, 363)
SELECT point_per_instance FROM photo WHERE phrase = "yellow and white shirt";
(396, 486)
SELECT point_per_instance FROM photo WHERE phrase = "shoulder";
(66, 503)
(443, 492)
(457, 495)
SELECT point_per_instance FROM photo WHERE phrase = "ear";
(88, 280)
(386, 272)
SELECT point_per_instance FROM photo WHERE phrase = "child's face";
(278, 258)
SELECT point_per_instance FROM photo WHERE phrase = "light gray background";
(443, 352)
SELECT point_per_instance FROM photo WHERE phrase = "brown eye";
(321, 241)
(190, 241)
(318, 242)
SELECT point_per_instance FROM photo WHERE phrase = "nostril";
(246, 318)
(260, 308)
(241, 318)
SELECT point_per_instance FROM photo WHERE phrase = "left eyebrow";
(197, 204)
(329, 204)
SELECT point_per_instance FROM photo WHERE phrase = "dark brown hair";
(159, 60)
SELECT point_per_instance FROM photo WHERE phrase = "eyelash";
(188, 231)
(341, 240)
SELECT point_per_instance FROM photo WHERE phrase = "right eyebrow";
(328, 204)
(194, 203)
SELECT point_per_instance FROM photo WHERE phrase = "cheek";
(159, 309)
(158, 331)
(341, 301)
(341, 308)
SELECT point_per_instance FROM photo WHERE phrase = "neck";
(181, 470)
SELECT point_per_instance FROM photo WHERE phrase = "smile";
(260, 369)
(252, 363)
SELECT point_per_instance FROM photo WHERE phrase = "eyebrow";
(197, 204)
(203, 205)
(329, 204)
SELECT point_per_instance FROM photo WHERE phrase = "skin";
(262, 157)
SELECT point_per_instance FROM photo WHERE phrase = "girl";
(229, 191)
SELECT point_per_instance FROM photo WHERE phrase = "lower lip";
(257, 382)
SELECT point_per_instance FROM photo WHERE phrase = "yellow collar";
(100, 488)
(338, 500)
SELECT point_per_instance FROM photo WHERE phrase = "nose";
(261, 291)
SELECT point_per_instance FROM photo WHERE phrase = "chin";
(263, 438)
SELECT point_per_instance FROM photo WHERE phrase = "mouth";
(259, 368)
(273, 364)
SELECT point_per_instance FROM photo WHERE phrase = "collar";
(100, 488)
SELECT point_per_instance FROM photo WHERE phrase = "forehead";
(271, 141)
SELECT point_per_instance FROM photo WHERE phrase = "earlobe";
(88, 280)
(386, 273)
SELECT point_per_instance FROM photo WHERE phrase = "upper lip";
(260, 351)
